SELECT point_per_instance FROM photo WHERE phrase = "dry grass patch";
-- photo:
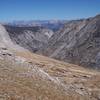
(36, 79)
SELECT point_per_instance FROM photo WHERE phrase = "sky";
(47, 9)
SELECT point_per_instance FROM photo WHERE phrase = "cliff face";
(78, 42)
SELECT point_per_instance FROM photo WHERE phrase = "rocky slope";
(27, 76)
(31, 38)
(5, 40)
(78, 42)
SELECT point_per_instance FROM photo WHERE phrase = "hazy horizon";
(17, 10)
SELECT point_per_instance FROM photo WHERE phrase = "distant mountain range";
(51, 24)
